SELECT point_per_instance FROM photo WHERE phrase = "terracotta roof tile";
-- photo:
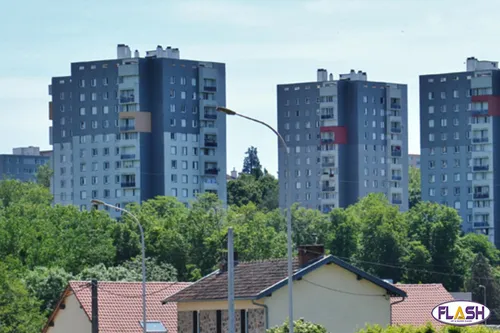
(251, 278)
(120, 304)
(417, 308)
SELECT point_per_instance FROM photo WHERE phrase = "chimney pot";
(310, 253)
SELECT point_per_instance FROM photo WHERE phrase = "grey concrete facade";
(23, 163)
(342, 144)
(414, 160)
(128, 129)
(458, 124)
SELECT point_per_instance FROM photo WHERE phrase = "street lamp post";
(288, 203)
(484, 296)
(141, 229)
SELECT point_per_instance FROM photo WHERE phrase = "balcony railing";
(396, 129)
(211, 171)
(481, 225)
(396, 177)
(327, 141)
(327, 116)
(480, 168)
(395, 106)
(210, 88)
(127, 156)
(480, 140)
(127, 127)
(328, 164)
(210, 115)
(328, 189)
(210, 144)
(481, 195)
(128, 184)
(482, 112)
(127, 99)
(397, 201)
(396, 153)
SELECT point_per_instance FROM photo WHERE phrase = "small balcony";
(396, 129)
(328, 164)
(396, 153)
(210, 88)
(396, 201)
(481, 225)
(480, 140)
(482, 112)
(395, 106)
(327, 116)
(396, 177)
(480, 168)
(481, 195)
(212, 171)
(210, 115)
(128, 184)
(327, 141)
(127, 156)
(328, 189)
(128, 127)
(210, 143)
(127, 99)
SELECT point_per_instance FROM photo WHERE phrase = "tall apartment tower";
(129, 129)
(346, 138)
(458, 123)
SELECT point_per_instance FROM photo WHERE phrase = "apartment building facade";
(23, 163)
(132, 128)
(414, 160)
(458, 124)
(347, 138)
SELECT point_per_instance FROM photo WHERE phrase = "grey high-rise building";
(458, 125)
(132, 128)
(346, 138)
(23, 163)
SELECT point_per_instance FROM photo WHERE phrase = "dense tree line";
(42, 246)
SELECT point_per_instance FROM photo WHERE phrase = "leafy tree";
(19, 313)
(130, 271)
(383, 236)
(478, 243)
(414, 187)
(44, 175)
(47, 284)
(262, 191)
(251, 163)
(437, 227)
(345, 234)
(299, 326)
(482, 274)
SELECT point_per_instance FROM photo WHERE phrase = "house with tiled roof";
(326, 291)
(119, 307)
(416, 309)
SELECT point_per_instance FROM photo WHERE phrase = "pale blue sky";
(263, 43)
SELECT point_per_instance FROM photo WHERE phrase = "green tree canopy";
(299, 326)
(251, 163)
(414, 187)
(44, 175)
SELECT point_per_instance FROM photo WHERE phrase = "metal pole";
(230, 280)
(143, 277)
(288, 216)
(289, 240)
(143, 250)
(484, 298)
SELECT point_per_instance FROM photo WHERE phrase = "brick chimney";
(310, 253)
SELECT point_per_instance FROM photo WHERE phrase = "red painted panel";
(340, 133)
(493, 103)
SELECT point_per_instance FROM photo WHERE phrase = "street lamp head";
(481, 286)
(226, 111)
(97, 202)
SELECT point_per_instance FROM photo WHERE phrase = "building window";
(455, 94)
(443, 94)
(82, 111)
(82, 97)
(184, 193)
(444, 123)
(431, 123)
(173, 150)
(430, 95)
(174, 192)
(431, 137)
